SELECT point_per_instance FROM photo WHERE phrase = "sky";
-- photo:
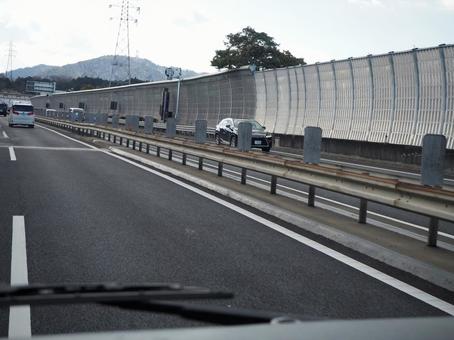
(187, 33)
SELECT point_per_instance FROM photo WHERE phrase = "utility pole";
(171, 73)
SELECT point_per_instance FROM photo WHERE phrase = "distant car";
(79, 114)
(3, 109)
(50, 112)
(21, 114)
(227, 133)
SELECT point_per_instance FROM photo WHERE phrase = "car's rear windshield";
(255, 125)
(26, 108)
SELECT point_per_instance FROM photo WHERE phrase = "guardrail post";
(148, 148)
(171, 128)
(183, 159)
(148, 124)
(362, 217)
(433, 232)
(140, 146)
(312, 144)
(220, 168)
(432, 163)
(311, 196)
(170, 154)
(115, 120)
(200, 163)
(200, 131)
(132, 123)
(115, 139)
(133, 144)
(158, 151)
(121, 141)
(243, 174)
(127, 143)
(273, 184)
(244, 136)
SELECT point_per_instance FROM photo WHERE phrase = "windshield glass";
(255, 125)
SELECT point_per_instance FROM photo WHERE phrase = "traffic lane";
(300, 190)
(102, 220)
(10, 205)
(25, 136)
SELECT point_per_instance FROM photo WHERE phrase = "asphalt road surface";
(91, 217)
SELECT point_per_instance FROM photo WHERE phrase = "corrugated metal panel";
(262, 102)
(448, 128)
(344, 106)
(406, 96)
(294, 101)
(312, 96)
(328, 99)
(300, 115)
(363, 99)
(271, 99)
(430, 102)
(284, 98)
(383, 100)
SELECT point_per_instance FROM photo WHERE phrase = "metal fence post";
(170, 154)
(220, 168)
(200, 163)
(362, 218)
(433, 232)
(148, 148)
(243, 175)
(158, 151)
(273, 184)
(183, 159)
(311, 196)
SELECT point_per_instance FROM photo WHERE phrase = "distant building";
(40, 87)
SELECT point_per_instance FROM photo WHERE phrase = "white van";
(50, 112)
(79, 114)
(21, 113)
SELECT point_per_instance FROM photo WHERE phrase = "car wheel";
(32, 126)
(10, 125)
(266, 149)
(233, 142)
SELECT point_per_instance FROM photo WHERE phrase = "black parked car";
(227, 133)
(3, 109)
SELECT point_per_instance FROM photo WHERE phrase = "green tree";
(251, 47)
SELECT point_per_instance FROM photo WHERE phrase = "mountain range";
(101, 67)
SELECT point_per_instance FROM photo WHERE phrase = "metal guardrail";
(437, 203)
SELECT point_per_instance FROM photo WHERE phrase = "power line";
(9, 63)
(128, 12)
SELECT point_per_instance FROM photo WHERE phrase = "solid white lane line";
(4, 134)
(372, 272)
(12, 154)
(56, 148)
(19, 316)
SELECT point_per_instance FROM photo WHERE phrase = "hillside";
(142, 69)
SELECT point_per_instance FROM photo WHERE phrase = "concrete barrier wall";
(394, 98)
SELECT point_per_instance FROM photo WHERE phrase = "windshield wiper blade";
(42, 294)
(149, 297)
(220, 315)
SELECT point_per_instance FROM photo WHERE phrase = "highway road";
(79, 214)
